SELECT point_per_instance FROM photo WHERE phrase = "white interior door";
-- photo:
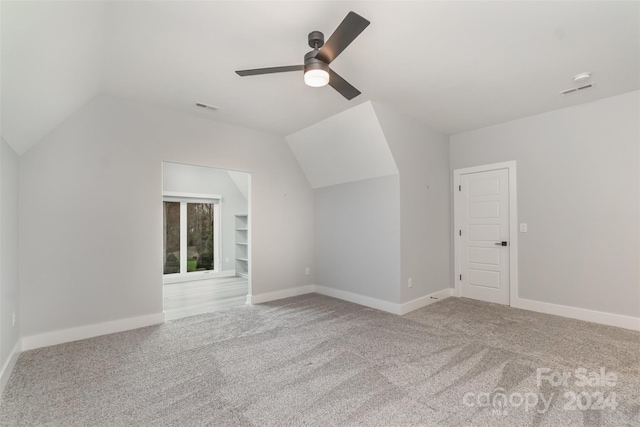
(484, 236)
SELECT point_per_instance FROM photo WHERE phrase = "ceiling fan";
(316, 63)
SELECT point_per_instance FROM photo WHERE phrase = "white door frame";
(513, 225)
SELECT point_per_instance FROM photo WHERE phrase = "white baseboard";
(323, 290)
(621, 321)
(366, 301)
(378, 304)
(280, 294)
(8, 366)
(425, 300)
(89, 331)
(226, 273)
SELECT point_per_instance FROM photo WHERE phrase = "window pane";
(199, 236)
(171, 225)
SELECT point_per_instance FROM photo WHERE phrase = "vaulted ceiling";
(350, 146)
(455, 66)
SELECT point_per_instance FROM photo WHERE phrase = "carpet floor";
(315, 360)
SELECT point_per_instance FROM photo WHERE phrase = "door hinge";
(461, 277)
(459, 187)
(459, 232)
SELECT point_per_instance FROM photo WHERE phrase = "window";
(191, 235)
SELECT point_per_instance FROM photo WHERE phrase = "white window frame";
(183, 199)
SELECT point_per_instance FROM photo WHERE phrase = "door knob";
(500, 243)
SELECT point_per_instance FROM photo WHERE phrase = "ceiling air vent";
(576, 89)
(207, 107)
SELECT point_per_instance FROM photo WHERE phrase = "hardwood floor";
(204, 296)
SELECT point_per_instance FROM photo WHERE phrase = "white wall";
(422, 157)
(578, 190)
(90, 197)
(9, 335)
(357, 238)
(358, 248)
(183, 178)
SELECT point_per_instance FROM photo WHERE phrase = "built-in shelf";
(242, 245)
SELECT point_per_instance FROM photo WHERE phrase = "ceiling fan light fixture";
(316, 73)
(316, 78)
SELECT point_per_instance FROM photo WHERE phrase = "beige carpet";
(314, 360)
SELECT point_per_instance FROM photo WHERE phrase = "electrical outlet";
(410, 282)
(13, 317)
(307, 271)
(523, 227)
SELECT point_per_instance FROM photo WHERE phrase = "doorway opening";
(206, 239)
(485, 233)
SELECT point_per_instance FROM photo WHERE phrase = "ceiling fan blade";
(270, 70)
(350, 28)
(342, 86)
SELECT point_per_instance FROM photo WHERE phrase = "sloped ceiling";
(52, 64)
(241, 180)
(347, 147)
(454, 66)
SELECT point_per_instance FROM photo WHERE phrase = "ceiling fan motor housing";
(316, 39)
(313, 63)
